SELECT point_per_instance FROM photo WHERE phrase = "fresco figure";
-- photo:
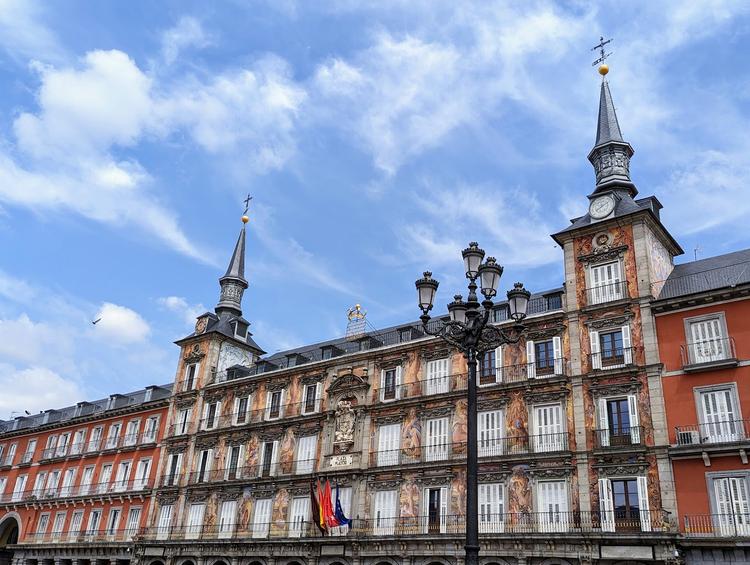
(411, 435)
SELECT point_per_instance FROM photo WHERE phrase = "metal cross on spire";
(247, 203)
(602, 55)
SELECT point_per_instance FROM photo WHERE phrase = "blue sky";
(377, 139)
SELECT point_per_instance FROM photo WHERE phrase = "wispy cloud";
(186, 33)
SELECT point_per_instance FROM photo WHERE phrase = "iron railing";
(243, 472)
(611, 359)
(626, 436)
(708, 351)
(74, 491)
(268, 414)
(82, 536)
(717, 525)
(604, 293)
(726, 431)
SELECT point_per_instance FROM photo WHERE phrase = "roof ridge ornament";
(602, 60)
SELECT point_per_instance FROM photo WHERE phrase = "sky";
(377, 139)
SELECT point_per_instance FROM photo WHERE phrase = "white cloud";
(25, 341)
(42, 389)
(187, 312)
(188, 32)
(23, 34)
(120, 324)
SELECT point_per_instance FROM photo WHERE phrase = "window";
(707, 339)
(104, 478)
(234, 459)
(436, 439)
(306, 447)
(732, 505)
(227, 515)
(164, 522)
(623, 503)
(62, 445)
(194, 521)
(491, 508)
(311, 403)
(29, 453)
(95, 518)
(611, 349)
(58, 524)
(76, 521)
(205, 458)
(49, 448)
(151, 429)
(2, 450)
(490, 367)
(11, 455)
(437, 376)
(390, 384)
(262, 518)
(67, 482)
(544, 358)
(552, 499)
(190, 373)
(52, 481)
(299, 514)
(605, 283)
(113, 436)
(142, 472)
(95, 439)
(269, 459)
(19, 488)
(113, 520)
(719, 416)
(122, 477)
(41, 527)
(211, 415)
(86, 480)
(240, 410)
(490, 436)
(389, 439)
(183, 421)
(384, 512)
(131, 432)
(435, 511)
(39, 482)
(274, 404)
(618, 421)
(134, 520)
(548, 429)
(3, 481)
(174, 467)
(79, 438)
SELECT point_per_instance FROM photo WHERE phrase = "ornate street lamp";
(468, 330)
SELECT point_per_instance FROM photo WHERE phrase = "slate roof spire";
(611, 153)
(233, 283)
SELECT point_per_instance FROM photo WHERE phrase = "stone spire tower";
(233, 283)
(611, 154)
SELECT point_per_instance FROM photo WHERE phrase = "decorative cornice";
(545, 333)
(438, 412)
(348, 382)
(611, 322)
(604, 253)
(312, 379)
(206, 442)
(384, 485)
(194, 355)
(435, 481)
(537, 397)
(600, 390)
(492, 403)
(273, 386)
(435, 353)
(391, 362)
(616, 470)
(385, 419)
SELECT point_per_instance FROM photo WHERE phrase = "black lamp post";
(468, 330)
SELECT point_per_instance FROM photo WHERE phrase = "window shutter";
(281, 403)
(635, 431)
(318, 396)
(499, 364)
(596, 358)
(275, 458)
(603, 423)
(643, 504)
(490, 433)
(725, 517)
(443, 509)
(165, 520)
(606, 506)
(557, 352)
(399, 376)
(627, 352)
(530, 360)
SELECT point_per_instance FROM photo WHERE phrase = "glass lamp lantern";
(457, 309)
(489, 277)
(518, 302)
(426, 289)
(473, 256)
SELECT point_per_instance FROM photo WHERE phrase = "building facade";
(582, 426)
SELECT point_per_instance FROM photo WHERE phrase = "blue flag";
(339, 512)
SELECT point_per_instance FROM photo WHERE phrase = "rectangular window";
(732, 512)
(205, 458)
(390, 384)
(437, 376)
(227, 515)
(195, 521)
(41, 527)
(19, 488)
(553, 506)
(384, 512)
(606, 283)
(435, 513)
(389, 439)
(95, 439)
(274, 404)
(211, 415)
(544, 358)
(164, 523)
(113, 436)
(39, 482)
(240, 410)
(345, 497)
(28, 455)
(122, 477)
(3, 481)
(234, 460)
(719, 416)
(262, 518)
(487, 368)
(49, 448)
(53, 479)
(183, 421)
(618, 421)
(95, 518)
(708, 341)
(62, 445)
(190, 373)
(299, 515)
(491, 508)
(113, 521)
(133, 523)
(79, 441)
(269, 459)
(436, 439)
(548, 429)
(151, 429)
(131, 433)
(311, 403)
(490, 436)
(86, 479)
(306, 447)
(623, 503)
(142, 472)
(611, 349)
(76, 521)
(104, 478)
(174, 468)
(67, 483)
(11, 454)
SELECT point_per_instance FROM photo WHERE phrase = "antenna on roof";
(695, 252)
(355, 327)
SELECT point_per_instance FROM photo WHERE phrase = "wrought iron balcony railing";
(708, 353)
(74, 491)
(726, 431)
(268, 414)
(604, 293)
(626, 436)
(85, 536)
(244, 472)
(611, 359)
(717, 525)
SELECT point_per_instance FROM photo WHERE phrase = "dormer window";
(240, 330)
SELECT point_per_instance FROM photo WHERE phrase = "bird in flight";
(96, 321)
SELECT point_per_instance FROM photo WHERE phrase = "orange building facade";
(80, 478)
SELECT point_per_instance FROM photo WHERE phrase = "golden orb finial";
(245, 219)
(603, 69)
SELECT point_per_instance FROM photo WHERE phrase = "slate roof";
(607, 128)
(714, 273)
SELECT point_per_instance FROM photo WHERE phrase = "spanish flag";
(315, 505)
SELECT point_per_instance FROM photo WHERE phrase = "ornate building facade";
(577, 457)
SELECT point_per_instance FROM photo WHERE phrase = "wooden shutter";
(553, 505)
(603, 423)
(491, 517)
(388, 444)
(643, 504)
(635, 431)
(262, 518)
(399, 377)
(627, 351)
(606, 506)
(306, 454)
(548, 428)
(299, 513)
(596, 357)
(437, 439)
(318, 396)
(490, 433)
(384, 513)
(557, 352)
(530, 360)
(718, 416)
(499, 364)
(165, 521)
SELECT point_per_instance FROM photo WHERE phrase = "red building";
(703, 327)
(81, 473)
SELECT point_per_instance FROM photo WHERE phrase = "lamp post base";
(472, 555)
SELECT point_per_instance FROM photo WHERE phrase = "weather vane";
(245, 217)
(602, 60)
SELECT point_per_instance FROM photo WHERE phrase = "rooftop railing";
(601, 294)
(717, 525)
(726, 431)
(708, 352)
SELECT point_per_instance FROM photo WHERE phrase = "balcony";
(244, 472)
(613, 439)
(708, 354)
(88, 536)
(76, 491)
(712, 434)
(269, 414)
(717, 525)
(500, 447)
(618, 358)
(605, 293)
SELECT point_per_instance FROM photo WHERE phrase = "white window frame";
(605, 432)
(397, 381)
(94, 442)
(709, 349)
(269, 397)
(491, 508)
(131, 437)
(185, 380)
(274, 466)
(436, 445)
(236, 413)
(76, 522)
(113, 435)
(262, 518)
(316, 407)
(730, 515)
(133, 522)
(724, 430)
(307, 447)
(443, 508)
(490, 433)
(227, 518)
(607, 289)
(183, 424)
(164, 521)
(545, 441)
(437, 380)
(389, 444)
(150, 432)
(384, 512)
(19, 487)
(299, 515)
(216, 417)
(194, 520)
(553, 514)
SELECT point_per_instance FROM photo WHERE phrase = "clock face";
(231, 355)
(601, 207)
